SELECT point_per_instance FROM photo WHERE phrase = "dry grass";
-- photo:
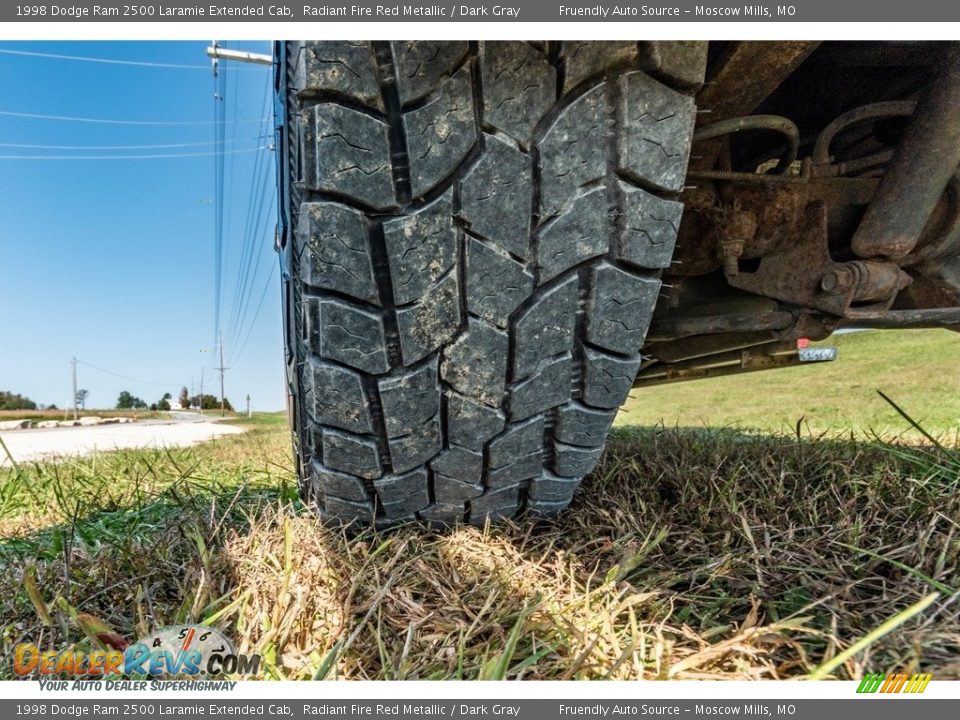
(687, 554)
(68, 413)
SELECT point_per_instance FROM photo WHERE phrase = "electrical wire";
(256, 314)
(124, 377)
(158, 156)
(252, 236)
(107, 61)
(108, 121)
(114, 61)
(206, 143)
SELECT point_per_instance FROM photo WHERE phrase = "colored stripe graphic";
(894, 683)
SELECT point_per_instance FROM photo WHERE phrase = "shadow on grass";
(688, 553)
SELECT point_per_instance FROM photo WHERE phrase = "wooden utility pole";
(73, 363)
(248, 404)
(222, 370)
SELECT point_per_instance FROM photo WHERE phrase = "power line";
(252, 236)
(158, 156)
(109, 121)
(256, 315)
(115, 61)
(107, 61)
(205, 143)
(123, 377)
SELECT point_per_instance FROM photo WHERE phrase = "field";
(918, 369)
(39, 415)
(688, 553)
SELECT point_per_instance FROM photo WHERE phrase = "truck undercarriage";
(822, 192)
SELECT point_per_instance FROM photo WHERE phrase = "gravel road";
(182, 429)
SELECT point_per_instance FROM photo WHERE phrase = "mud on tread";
(478, 233)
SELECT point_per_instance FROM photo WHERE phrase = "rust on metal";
(739, 81)
(918, 172)
(780, 355)
(907, 319)
(803, 273)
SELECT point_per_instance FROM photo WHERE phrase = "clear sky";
(113, 260)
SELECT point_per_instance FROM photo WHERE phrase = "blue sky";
(112, 261)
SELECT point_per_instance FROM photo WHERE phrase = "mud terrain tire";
(477, 232)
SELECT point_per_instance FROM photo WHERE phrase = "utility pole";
(200, 396)
(248, 404)
(222, 370)
(73, 363)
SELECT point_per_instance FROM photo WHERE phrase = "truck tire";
(476, 233)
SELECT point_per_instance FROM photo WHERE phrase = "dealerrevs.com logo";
(183, 650)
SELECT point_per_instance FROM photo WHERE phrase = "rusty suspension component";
(919, 170)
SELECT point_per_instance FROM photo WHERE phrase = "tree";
(11, 401)
(126, 401)
(82, 398)
(184, 398)
(211, 402)
(164, 403)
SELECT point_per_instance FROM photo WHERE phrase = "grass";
(917, 368)
(688, 553)
(38, 415)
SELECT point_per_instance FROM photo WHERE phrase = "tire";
(476, 236)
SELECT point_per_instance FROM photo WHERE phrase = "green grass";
(687, 554)
(918, 369)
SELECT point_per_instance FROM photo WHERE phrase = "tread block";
(430, 323)
(547, 388)
(351, 335)
(607, 379)
(403, 495)
(580, 233)
(657, 128)
(552, 489)
(347, 152)
(519, 87)
(520, 439)
(650, 229)
(351, 453)
(441, 133)
(583, 59)
(344, 511)
(496, 284)
(573, 461)
(682, 62)
(422, 63)
(416, 447)
(573, 152)
(335, 242)
(621, 306)
(501, 503)
(476, 363)
(348, 68)
(443, 514)
(459, 464)
(496, 197)
(523, 468)
(471, 424)
(450, 491)
(579, 425)
(421, 248)
(338, 397)
(410, 399)
(332, 483)
(546, 328)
